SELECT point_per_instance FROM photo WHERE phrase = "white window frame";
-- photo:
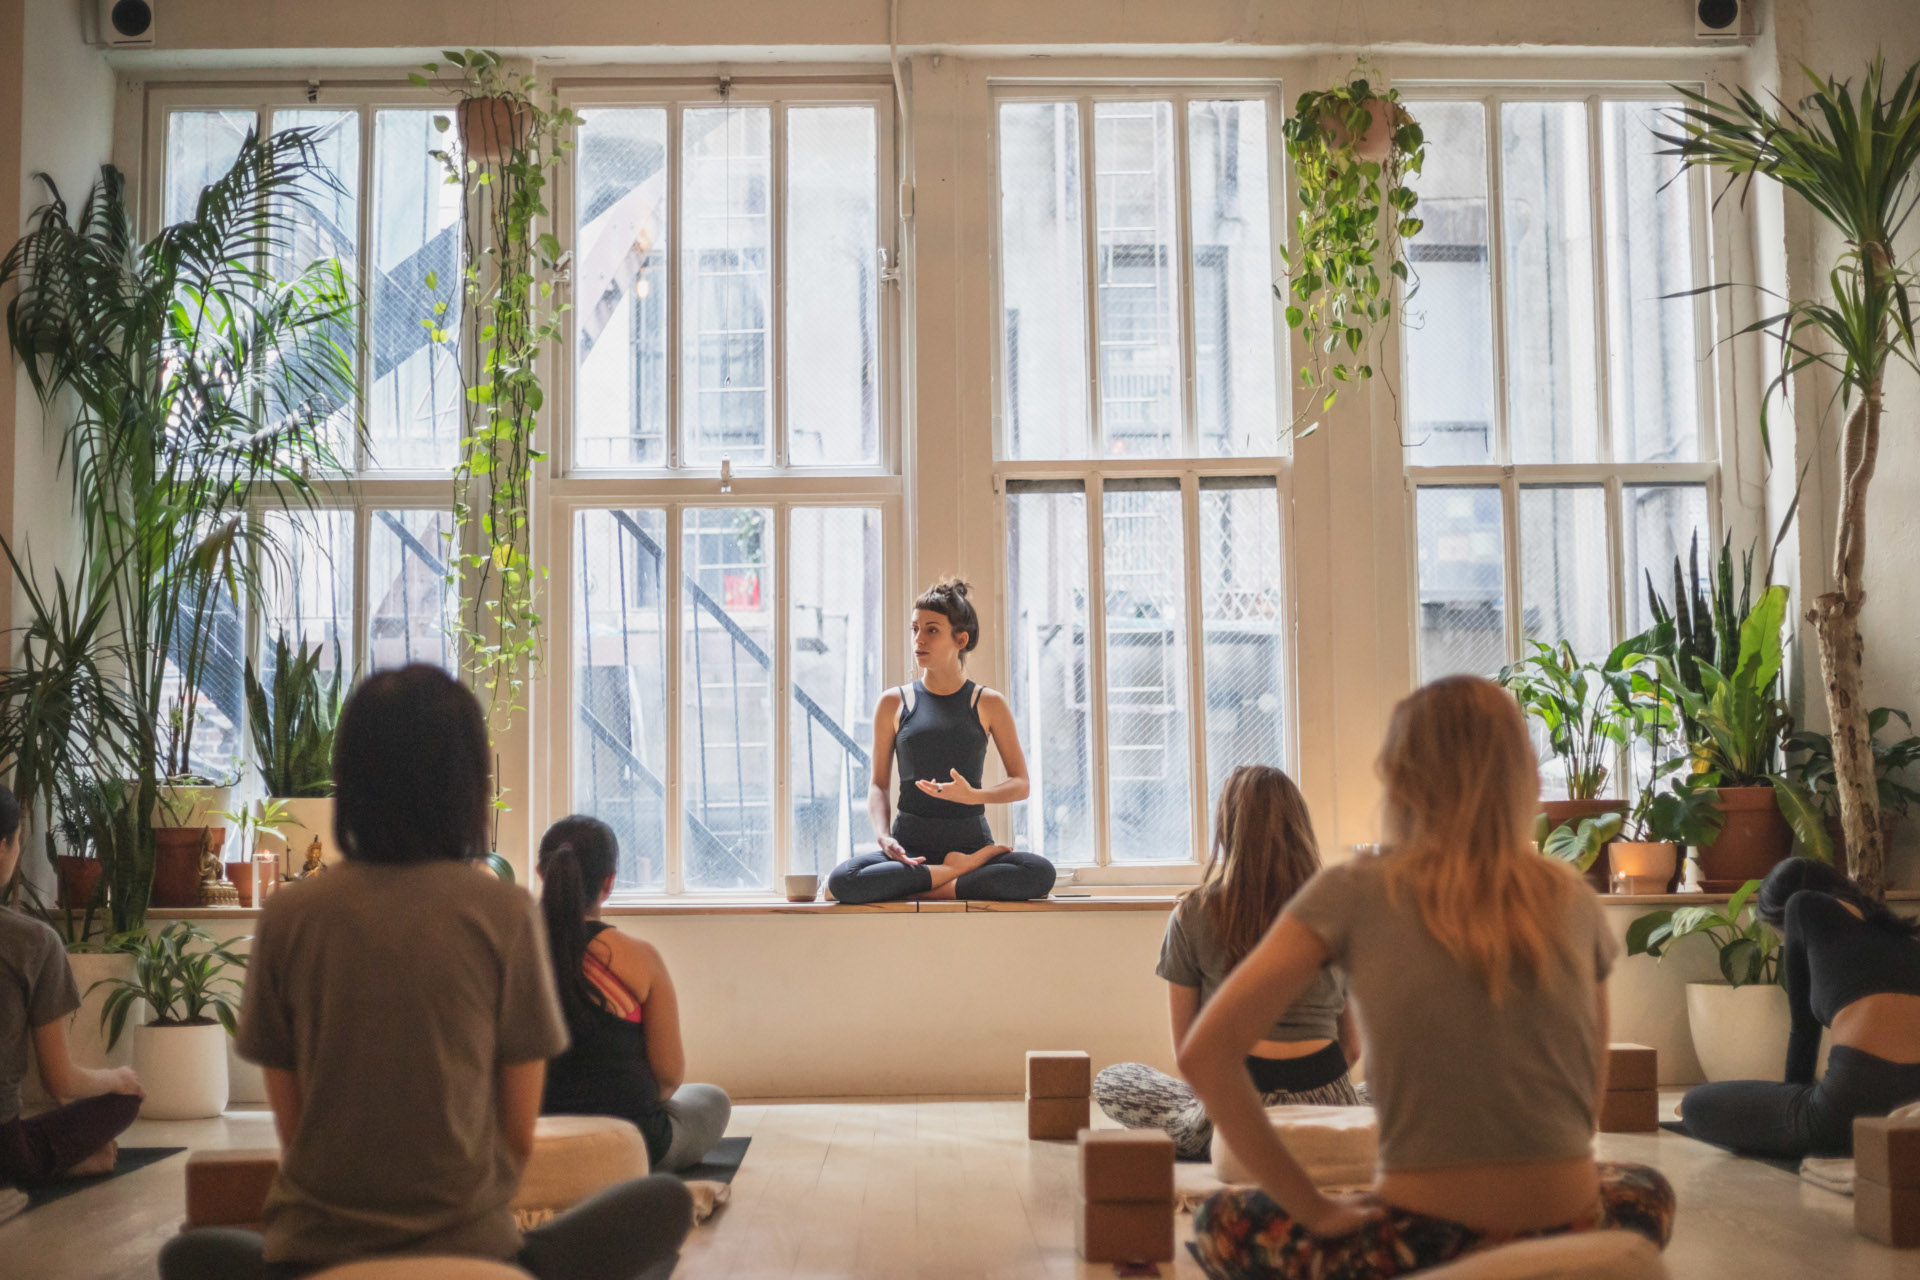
(1187, 467)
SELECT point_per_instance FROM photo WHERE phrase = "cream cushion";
(1581, 1255)
(423, 1269)
(574, 1157)
(1335, 1145)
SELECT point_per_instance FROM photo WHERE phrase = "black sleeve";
(1803, 920)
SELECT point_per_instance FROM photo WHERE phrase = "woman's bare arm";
(1183, 1005)
(886, 722)
(643, 971)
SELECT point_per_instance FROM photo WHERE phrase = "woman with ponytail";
(1478, 970)
(625, 1058)
(935, 843)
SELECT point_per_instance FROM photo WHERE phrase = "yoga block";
(1887, 1151)
(229, 1188)
(1137, 1231)
(1630, 1111)
(1056, 1117)
(1059, 1073)
(1632, 1066)
(1125, 1165)
(1890, 1215)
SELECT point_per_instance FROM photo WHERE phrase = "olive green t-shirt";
(36, 987)
(394, 993)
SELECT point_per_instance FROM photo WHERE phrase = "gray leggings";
(699, 1115)
(631, 1231)
(1140, 1097)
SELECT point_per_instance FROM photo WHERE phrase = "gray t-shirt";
(395, 993)
(36, 987)
(1193, 955)
(1455, 1078)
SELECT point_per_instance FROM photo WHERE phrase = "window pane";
(831, 294)
(326, 224)
(1547, 219)
(1462, 582)
(201, 147)
(620, 273)
(725, 299)
(413, 403)
(1149, 796)
(1232, 278)
(210, 709)
(835, 668)
(1047, 588)
(1564, 587)
(1043, 280)
(1449, 320)
(409, 601)
(726, 698)
(620, 686)
(1138, 280)
(1652, 354)
(1243, 626)
(1661, 521)
(310, 587)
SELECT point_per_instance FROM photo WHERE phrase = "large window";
(1557, 404)
(1140, 461)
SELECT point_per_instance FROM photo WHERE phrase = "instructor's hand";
(893, 849)
(960, 791)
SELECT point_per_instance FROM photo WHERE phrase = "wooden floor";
(933, 1187)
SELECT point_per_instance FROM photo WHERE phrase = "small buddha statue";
(214, 889)
(314, 866)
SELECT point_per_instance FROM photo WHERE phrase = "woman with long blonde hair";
(1478, 971)
(1263, 851)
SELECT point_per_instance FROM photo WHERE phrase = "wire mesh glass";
(324, 222)
(1043, 281)
(1236, 408)
(832, 287)
(726, 293)
(309, 588)
(1138, 277)
(1243, 626)
(1565, 591)
(1462, 581)
(201, 147)
(1661, 521)
(410, 603)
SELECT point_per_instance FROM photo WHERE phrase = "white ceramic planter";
(1739, 1033)
(184, 1070)
(307, 818)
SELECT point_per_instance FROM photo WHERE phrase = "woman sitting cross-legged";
(1478, 971)
(1263, 851)
(403, 1008)
(625, 1058)
(1852, 966)
(37, 995)
(938, 845)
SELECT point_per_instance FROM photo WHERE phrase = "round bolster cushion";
(573, 1158)
(1579, 1255)
(1335, 1145)
(423, 1268)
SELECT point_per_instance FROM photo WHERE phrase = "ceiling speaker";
(127, 24)
(1718, 19)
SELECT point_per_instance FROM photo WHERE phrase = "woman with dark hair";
(1852, 966)
(936, 842)
(403, 1010)
(625, 1058)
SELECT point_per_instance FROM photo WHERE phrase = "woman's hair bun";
(953, 586)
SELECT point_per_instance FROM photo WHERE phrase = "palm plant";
(193, 377)
(1855, 159)
(293, 723)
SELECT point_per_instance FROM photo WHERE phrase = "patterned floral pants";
(1139, 1097)
(1241, 1234)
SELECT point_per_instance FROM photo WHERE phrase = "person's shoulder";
(994, 700)
(21, 933)
(625, 949)
(1811, 907)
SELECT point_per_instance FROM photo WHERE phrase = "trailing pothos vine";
(506, 142)
(1353, 147)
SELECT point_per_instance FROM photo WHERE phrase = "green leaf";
(1741, 962)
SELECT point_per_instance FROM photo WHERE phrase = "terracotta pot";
(1561, 813)
(492, 127)
(1376, 142)
(1650, 866)
(1889, 822)
(176, 863)
(78, 879)
(1753, 837)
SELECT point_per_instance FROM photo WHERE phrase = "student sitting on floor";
(403, 1009)
(1852, 966)
(625, 1058)
(1478, 970)
(37, 993)
(1263, 851)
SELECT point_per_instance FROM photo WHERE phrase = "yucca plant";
(293, 722)
(183, 986)
(1854, 157)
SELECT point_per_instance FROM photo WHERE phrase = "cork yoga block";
(1890, 1215)
(1887, 1150)
(1632, 1066)
(1120, 1165)
(1129, 1231)
(229, 1188)
(1056, 1117)
(1629, 1111)
(1059, 1073)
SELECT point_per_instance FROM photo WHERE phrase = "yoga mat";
(131, 1159)
(1778, 1162)
(720, 1164)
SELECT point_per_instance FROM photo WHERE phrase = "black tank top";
(605, 1072)
(939, 732)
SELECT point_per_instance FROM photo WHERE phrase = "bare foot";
(101, 1161)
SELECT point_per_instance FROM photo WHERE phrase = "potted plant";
(1854, 159)
(250, 833)
(191, 996)
(1353, 147)
(186, 828)
(293, 720)
(1811, 763)
(1740, 1024)
(1665, 819)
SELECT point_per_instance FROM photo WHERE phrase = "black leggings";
(39, 1149)
(1794, 1120)
(874, 877)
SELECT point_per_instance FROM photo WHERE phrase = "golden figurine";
(214, 889)
(314, 865)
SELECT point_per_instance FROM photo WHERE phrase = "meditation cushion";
(1335, 1145)
(1582, 1255)
(423, 1268)
(573, 1158)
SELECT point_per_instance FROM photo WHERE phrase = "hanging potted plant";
(192, 1001)
(1739, 1025)
(293, 720)
(1353, 147)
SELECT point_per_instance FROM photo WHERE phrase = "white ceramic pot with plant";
(293, 717)
(190, 992)
(1739, 1025)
